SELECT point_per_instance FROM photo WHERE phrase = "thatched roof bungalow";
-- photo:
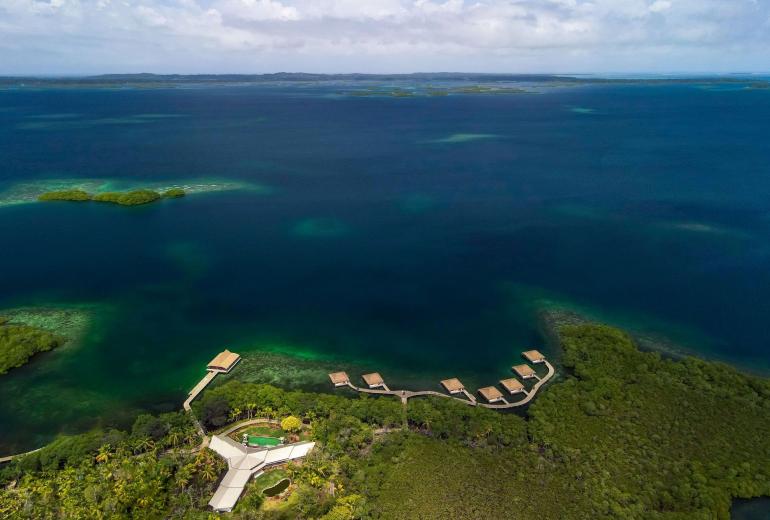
(533, 356)
(491, 394)
(223, 362)
(524, 371)
(513, 385)
(339, 378)
(453, 385)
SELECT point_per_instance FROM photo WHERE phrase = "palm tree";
(146, 444)
(251, 407)
(175, 435)
(209, 473)
(235, 413)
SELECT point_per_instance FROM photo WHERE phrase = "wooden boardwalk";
(197, 389)
(405, 395)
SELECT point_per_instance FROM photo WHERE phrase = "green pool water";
(263, 441)
(277, 489)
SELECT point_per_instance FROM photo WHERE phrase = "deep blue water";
(378, 236)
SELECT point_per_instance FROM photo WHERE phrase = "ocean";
(410, 233)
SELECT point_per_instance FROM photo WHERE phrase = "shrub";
(291, 424)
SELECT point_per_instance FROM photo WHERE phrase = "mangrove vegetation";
(122, 198)
(625, 434)
(19, 342)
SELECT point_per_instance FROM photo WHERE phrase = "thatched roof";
(453, 385)
(513, 385)
(524, 371)
(533, 356)
(491, 394)
(373, 379)
(339, 378)
(225, 360)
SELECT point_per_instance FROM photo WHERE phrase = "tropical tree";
(174, 436)
(291, 424)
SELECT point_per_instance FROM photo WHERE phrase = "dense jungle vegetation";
(123, 198)
(18, 343)
(627, 434)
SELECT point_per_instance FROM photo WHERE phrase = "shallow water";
(388, 233)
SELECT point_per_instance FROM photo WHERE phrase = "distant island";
(126, 198)
(483, 81)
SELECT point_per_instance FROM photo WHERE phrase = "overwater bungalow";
(339, 378)
(533, 356)
(513, 385)
(453, 385)
(223, 362)
(491, 394)
(524, 371)
(374, 380)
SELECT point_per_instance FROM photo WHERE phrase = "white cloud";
(660, 6)
(334, 35)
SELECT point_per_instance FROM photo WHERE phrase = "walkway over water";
(405, 395)
(197, 389)
(221, 364)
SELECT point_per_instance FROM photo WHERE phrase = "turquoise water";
(418, 233)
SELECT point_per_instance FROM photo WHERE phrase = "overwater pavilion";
(513, 385)
(525, 371)
(491, 394)
(339, 378)
(374, 380)
(223, 362)
(533, 356)
(453, 385)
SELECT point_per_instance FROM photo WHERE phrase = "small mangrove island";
(19, 342)
(122, 198)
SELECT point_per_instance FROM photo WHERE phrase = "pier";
(454, 386)
(221, 364)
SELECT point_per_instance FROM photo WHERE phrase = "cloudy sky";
(253, 36)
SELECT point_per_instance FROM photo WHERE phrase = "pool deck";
(244, 462)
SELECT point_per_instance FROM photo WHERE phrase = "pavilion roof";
(339, 378)
(512, 384)
(373, 379)
(453, 385)
(490, 393)
(524, 370)
(533, 356)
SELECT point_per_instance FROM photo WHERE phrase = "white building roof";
(244, 462)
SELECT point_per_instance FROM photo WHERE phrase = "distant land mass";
(149, 80)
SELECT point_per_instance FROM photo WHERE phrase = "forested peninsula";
(625, 434)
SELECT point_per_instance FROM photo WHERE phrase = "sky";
(74, 37)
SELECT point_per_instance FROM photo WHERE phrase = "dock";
(223, 363)
(495, 399)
